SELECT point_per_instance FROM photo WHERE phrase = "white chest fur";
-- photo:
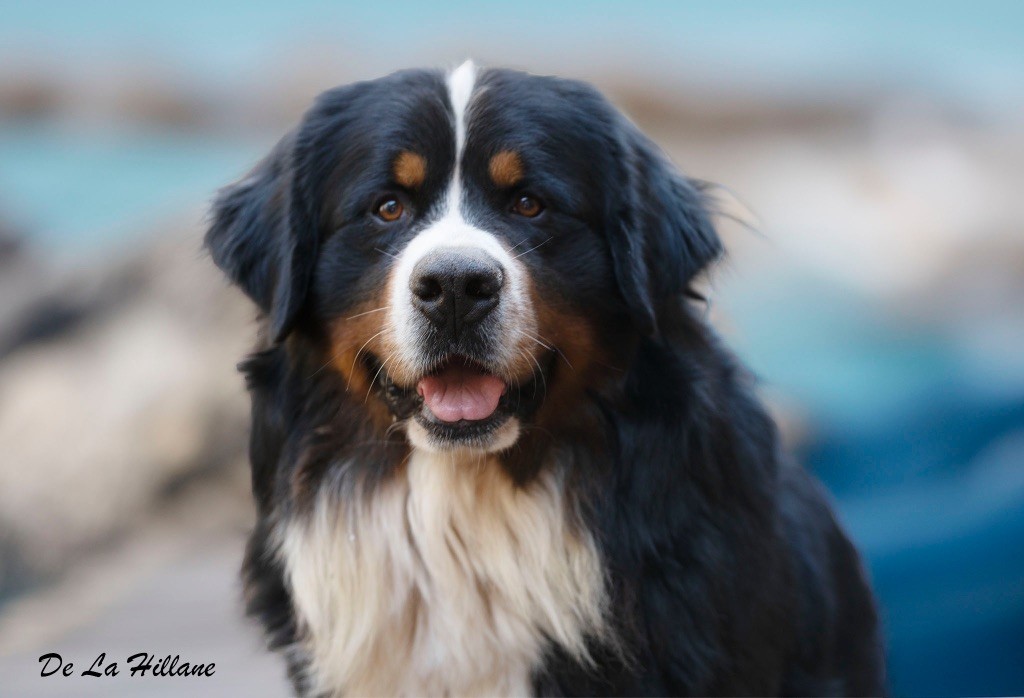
(445, 580)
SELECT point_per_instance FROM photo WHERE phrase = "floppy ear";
(663, 235)
(263, 236)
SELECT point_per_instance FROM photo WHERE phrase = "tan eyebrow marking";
(506, 168)
(410, 169)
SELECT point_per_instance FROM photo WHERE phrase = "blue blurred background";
(874, 151)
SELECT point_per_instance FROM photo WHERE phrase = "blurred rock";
(29, 96)
(118, 385)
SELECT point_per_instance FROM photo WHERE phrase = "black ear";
(263, 236)
(663, 235)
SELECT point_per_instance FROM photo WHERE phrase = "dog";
(495, 447)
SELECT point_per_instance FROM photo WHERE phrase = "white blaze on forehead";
(460, 89)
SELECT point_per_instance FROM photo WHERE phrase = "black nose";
(456, 287)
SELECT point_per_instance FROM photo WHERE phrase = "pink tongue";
(461, 392)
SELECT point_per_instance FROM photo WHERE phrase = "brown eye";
(527, 206)
(390, 211)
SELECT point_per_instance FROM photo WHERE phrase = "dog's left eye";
(390, 210)
(528, 206)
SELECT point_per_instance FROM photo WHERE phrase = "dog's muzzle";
(461, 373)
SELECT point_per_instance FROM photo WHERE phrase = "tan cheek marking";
(362, 331)
(506, 169)
(410, 169)
(580, 362)
(349, 338)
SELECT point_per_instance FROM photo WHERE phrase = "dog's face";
(471, 250)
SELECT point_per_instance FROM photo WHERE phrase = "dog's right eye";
(390, 210)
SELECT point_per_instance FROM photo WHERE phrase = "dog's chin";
(462, 405)
(486, 436)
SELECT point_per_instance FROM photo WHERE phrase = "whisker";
(554, 348)
(375, 375)
(540, 372)
(530, 336)
(549, 347)
(356, 358)
(538, 428)
(534, 247)
(565, 359)
(375, 310)
(328, 363)
(560, 353)
(526, 355)
(383, 252)
(336, 356)
(390, 430)
(543, 378)
(401, 464)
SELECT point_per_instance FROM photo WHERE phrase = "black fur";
(728, 572)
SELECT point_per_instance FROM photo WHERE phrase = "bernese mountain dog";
(495, 449)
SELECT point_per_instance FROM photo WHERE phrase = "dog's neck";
(448, 578)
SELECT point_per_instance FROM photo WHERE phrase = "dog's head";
(471, 250)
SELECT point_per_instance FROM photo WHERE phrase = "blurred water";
(74, 189)
(974, 47)
(926, 460)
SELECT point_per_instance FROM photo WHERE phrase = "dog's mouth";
(461, 390)
(460, 401)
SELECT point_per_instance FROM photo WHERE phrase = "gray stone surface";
(188, 605)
